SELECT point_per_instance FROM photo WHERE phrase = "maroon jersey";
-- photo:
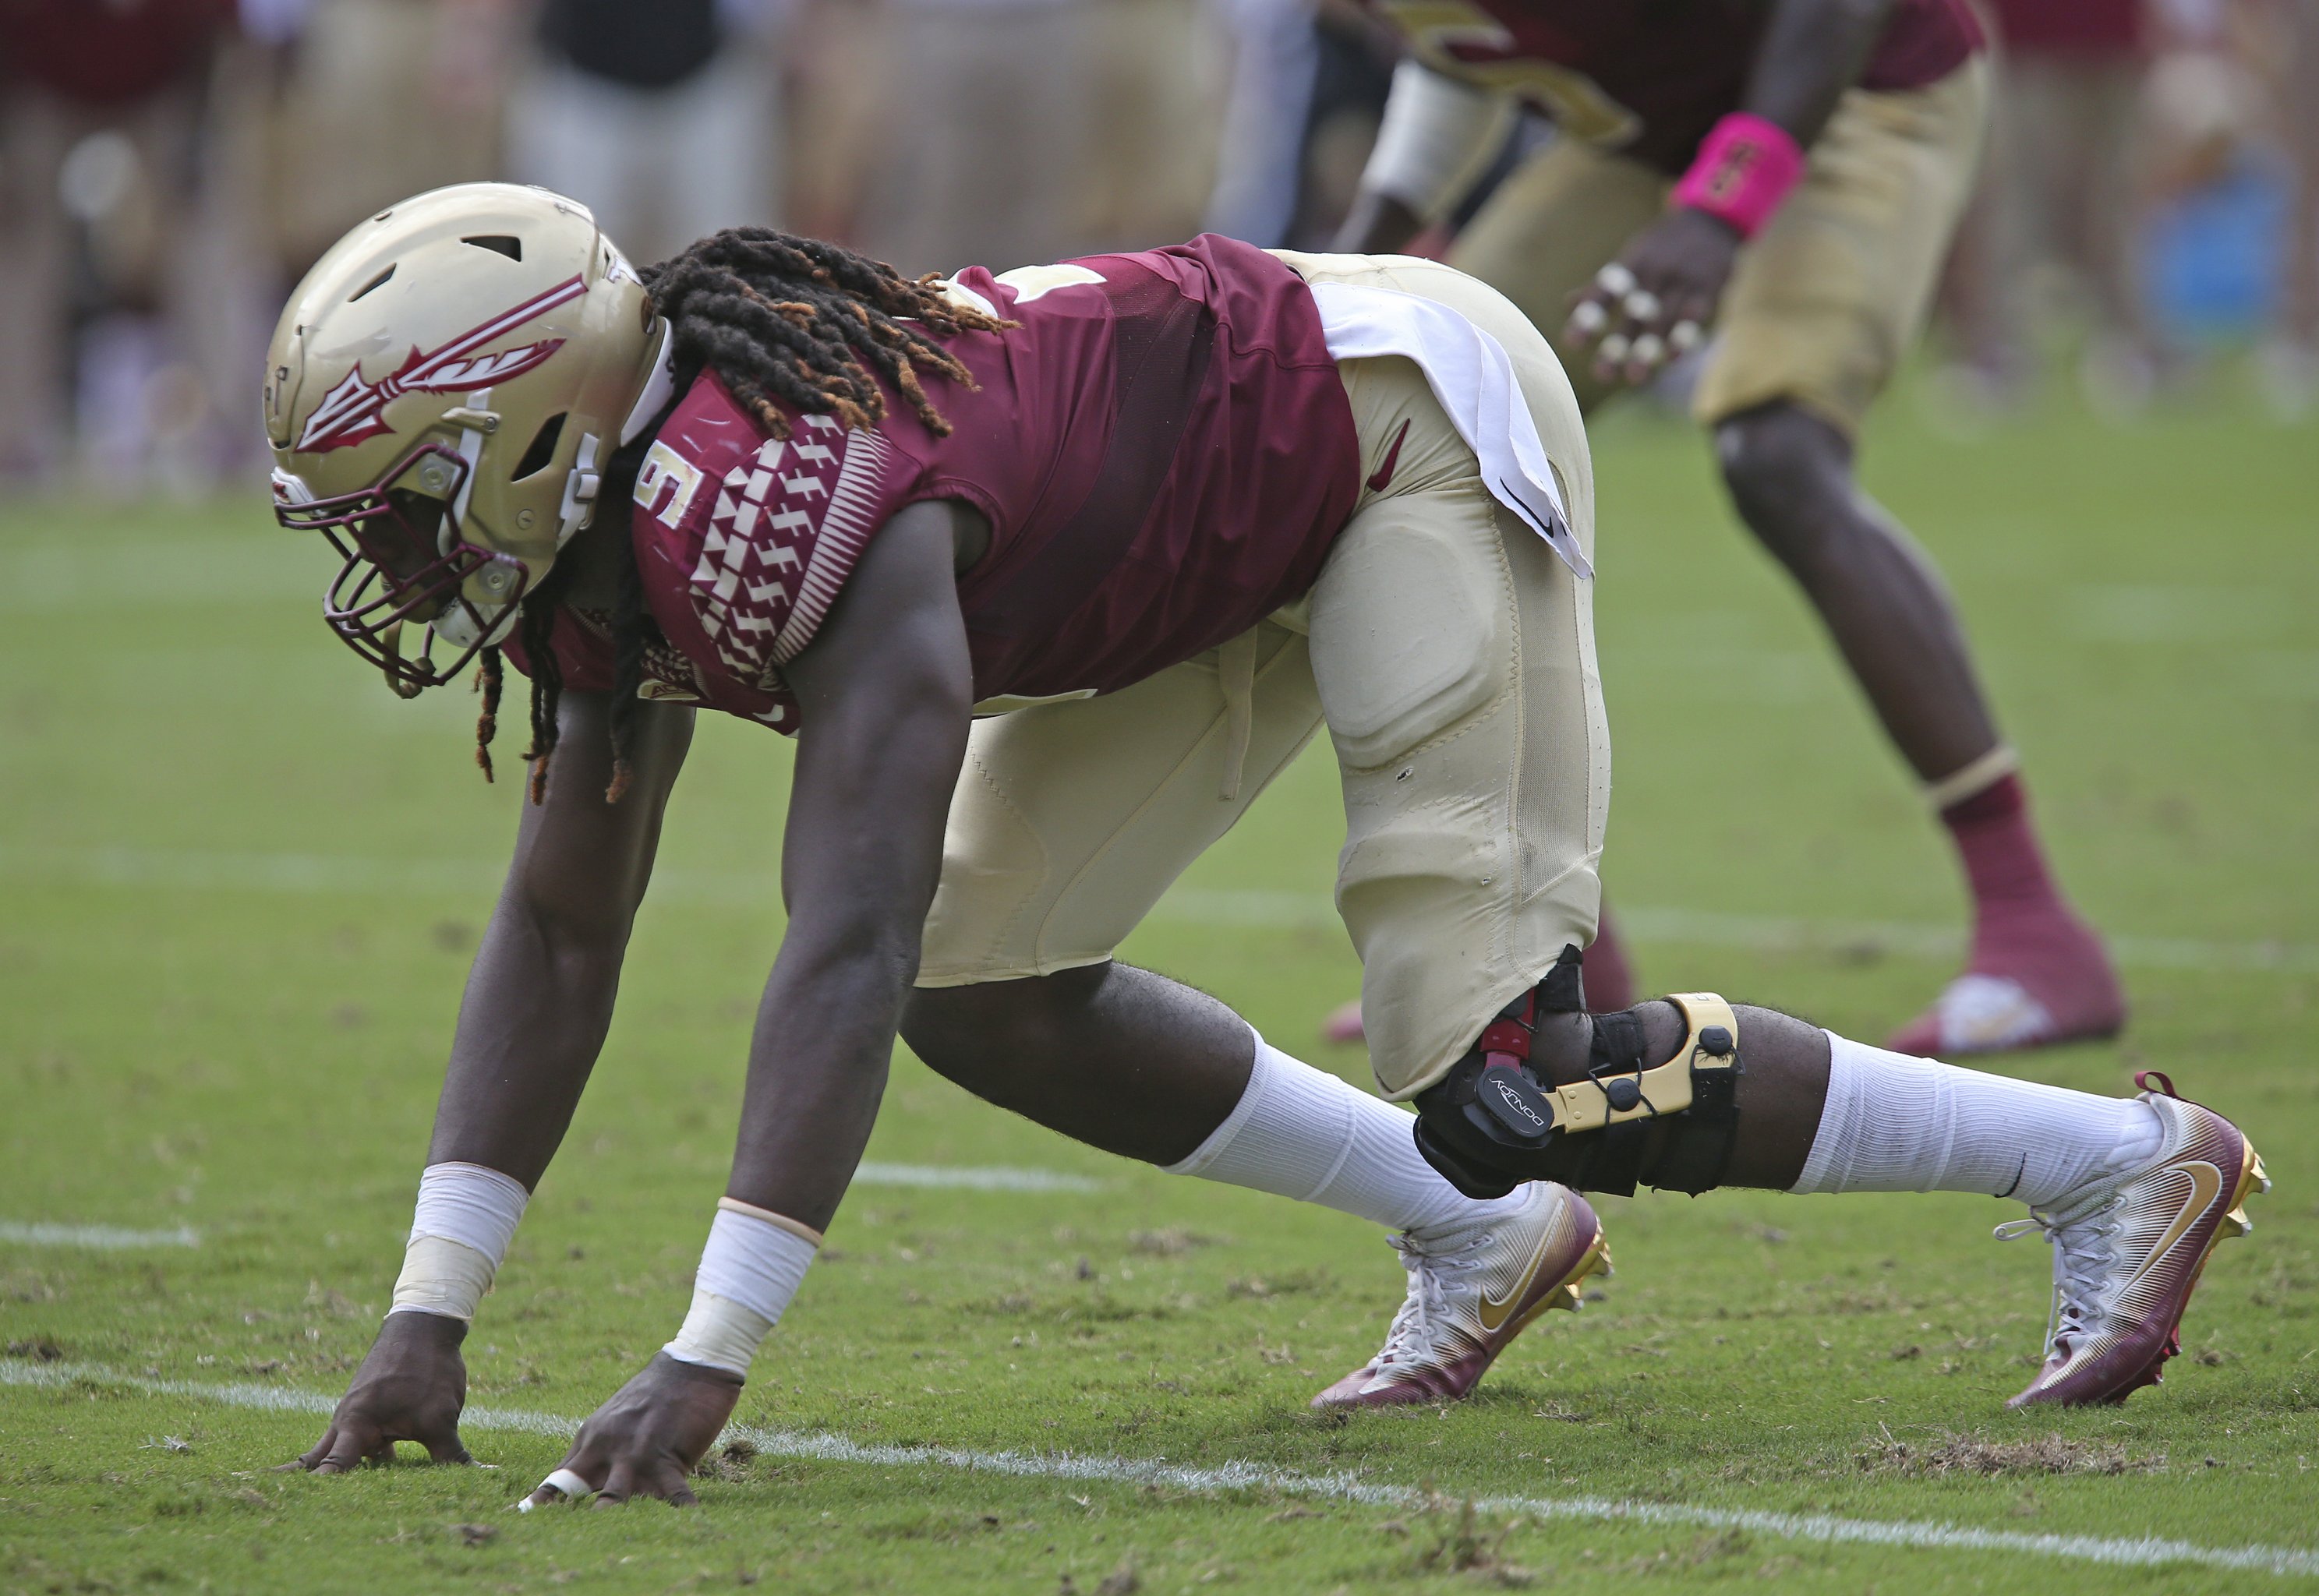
(1163, 449)
(1649, 78)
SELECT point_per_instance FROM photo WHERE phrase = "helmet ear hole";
(498, 243)
(541, 451)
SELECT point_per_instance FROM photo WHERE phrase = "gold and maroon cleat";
(1471, 1290)
(2128, 1251)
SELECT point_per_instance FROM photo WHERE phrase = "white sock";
(1300, 1132)
(1894, 1123)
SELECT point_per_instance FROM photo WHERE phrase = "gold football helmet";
(441, 393)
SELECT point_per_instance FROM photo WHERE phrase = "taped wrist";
(749, 1270)
(460, 1230)
(1492, 1122)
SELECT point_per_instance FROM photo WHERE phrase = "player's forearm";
(817, 1066)
(537, 1006)
(1812, 51)
(539, 997)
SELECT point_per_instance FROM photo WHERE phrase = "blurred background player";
(621, 97)
(2062, 183)
(119, 228)
(1790, 174)
(161, 154)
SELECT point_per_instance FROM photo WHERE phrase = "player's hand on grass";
(410, 1388)
(1655, 301)
(645, 1440)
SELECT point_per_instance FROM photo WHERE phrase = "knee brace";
(1491, 1123)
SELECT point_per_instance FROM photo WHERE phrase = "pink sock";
(2002, 860)
(2027, 943)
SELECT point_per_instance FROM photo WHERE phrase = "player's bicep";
(885, 694)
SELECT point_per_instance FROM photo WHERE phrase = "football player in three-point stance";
(1789, 172)
(1051, 573)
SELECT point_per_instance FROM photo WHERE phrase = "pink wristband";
(1746, 167)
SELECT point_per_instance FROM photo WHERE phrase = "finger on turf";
(313, 1455)
(578, 1462)
(619, 1487)
(666, 1481)
(355, 1443)
(450, 1448)
(543, 1495)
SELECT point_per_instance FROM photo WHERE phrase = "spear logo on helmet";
(356, 410)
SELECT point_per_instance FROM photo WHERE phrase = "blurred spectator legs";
(385, 99)
(2059, 189)
(659, 166)
(133, 300)
(1259, 169)
(985, 135)
(2291, 359)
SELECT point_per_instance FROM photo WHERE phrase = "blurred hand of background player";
(1656, 300)
(410, 1388)
(647, 1436)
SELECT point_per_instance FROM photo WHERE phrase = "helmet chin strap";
(579, 506)
(580, 487)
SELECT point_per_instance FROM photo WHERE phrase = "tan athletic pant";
(1822, 304)
(1451, 655)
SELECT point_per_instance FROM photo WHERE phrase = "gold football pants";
(1450, 655)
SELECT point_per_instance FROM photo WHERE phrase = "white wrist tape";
(460, 1231)
(1433, 134)
(749, 1271)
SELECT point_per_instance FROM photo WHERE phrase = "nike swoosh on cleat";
(2205, 1186)
(1383, 475)
(1494, 1312)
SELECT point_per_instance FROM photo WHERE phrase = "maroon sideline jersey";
(1163, 449)
(1649, 78)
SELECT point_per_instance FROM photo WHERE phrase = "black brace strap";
(1491, 1121)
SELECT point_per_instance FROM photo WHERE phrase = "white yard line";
(971, 1179)
(303, 874)
(98, 1238)
(2145, 1552)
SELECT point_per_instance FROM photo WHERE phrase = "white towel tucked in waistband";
(1473, 379)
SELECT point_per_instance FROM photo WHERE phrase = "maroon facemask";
(402, 561)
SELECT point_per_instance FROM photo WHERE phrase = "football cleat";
(1471, 1290)
(2128, 1251)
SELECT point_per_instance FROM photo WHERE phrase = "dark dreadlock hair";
(782, 321)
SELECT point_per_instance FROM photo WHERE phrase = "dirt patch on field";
(1946, 1452)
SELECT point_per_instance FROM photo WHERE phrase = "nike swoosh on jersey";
(1494, 1312)
(2205, 1184)
(1383, 474)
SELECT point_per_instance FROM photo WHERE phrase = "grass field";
(242, 884)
